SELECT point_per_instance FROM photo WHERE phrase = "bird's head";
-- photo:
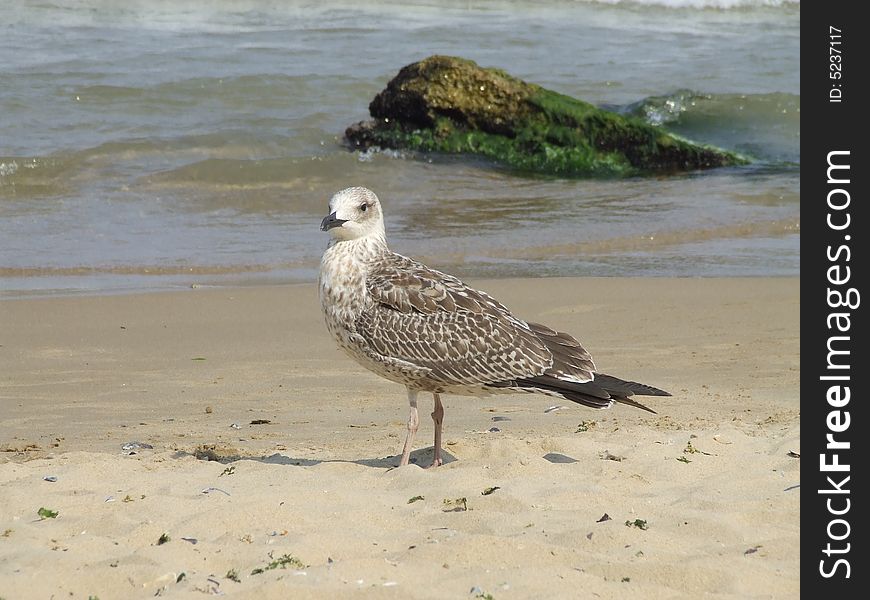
(354, 213)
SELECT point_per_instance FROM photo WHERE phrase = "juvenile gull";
(432, 333)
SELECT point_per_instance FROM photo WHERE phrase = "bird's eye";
(363, 207)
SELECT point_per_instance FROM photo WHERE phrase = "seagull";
(432, 333)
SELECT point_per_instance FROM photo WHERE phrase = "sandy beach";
(264, 460)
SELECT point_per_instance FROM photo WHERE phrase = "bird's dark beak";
(331, 221)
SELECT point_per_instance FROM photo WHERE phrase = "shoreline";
(236, 281)
(195, 372)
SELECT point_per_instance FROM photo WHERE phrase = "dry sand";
(709, 478)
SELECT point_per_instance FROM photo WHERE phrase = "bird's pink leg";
(438, 418)
(413, 424)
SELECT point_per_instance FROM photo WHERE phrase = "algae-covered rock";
(451, 105)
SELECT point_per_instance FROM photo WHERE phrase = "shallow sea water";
(152, 145)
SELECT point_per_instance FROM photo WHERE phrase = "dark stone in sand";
(555, 457)
(451, 105)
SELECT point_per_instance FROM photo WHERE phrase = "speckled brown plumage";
(430, 332)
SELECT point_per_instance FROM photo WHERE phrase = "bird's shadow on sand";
(421, 458)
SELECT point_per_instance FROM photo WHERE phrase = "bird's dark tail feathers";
(603, 391)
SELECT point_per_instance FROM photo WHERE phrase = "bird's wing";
(571, 361)
(405, 284)
(433, 320)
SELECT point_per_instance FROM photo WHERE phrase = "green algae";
(451, 105)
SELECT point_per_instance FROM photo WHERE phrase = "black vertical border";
(828, 126)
